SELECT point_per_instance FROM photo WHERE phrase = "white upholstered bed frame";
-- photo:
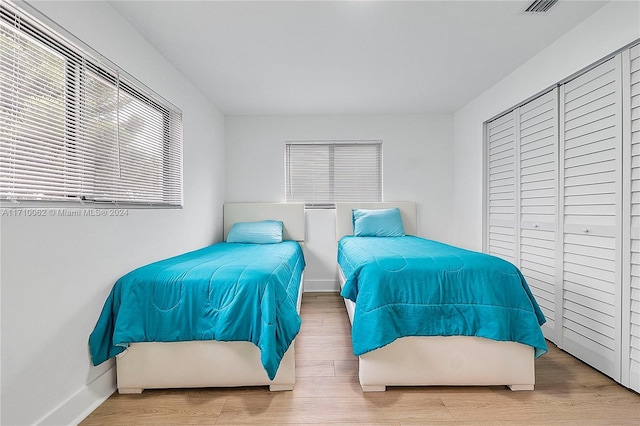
(155, 365)
(437, 360)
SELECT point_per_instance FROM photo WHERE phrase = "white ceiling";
(348, 57)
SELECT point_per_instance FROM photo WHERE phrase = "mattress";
(224, 292)
(410, 286)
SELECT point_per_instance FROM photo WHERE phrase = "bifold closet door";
(501, 188)
(522, 180)
(590, 185)
(631, 354)
(538, 161)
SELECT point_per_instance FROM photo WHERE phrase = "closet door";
(631, 280)
(501, 188)
(590, 177)
(538, 141)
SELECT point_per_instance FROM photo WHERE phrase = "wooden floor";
(327, 391)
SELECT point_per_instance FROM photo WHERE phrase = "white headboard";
(344, 222)
(291, 214)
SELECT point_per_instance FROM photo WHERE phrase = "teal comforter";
(409, 286)
(224, 292)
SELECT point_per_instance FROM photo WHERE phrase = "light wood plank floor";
(327, 391)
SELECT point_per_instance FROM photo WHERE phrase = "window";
(320, 173)
(76, 128)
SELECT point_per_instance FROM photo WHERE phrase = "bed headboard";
(291, 214)
(344, 223)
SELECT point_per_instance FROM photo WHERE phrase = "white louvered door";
(538, 162)
(590, 185)
(563, 204)
(631, 274)
(501, 188)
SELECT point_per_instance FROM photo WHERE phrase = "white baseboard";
(78, 406)
(321, 286)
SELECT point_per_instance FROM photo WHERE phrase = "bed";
(414, 357)
(270, 305)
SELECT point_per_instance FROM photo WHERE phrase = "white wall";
(609, 29)
(417, 166)
(57, 271)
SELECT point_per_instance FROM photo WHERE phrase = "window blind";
(324, 172)
(77, 128)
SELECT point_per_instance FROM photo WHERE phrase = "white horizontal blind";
(591, 159)
(538, 140)
(501, 187)
(75, 129)
(322, 173)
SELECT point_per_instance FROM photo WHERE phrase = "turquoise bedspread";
(224, 292)
(410, 286)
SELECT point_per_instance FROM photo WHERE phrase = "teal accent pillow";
(377, 223)
(262, 232)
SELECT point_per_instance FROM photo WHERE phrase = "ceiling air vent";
(541, 6)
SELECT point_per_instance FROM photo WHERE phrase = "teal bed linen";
(224, 292)
(410, 286)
